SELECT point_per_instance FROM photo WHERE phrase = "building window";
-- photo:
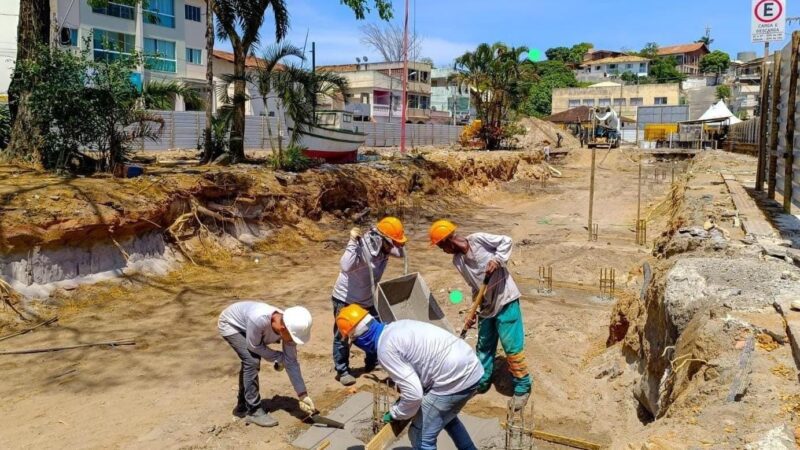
(194, 55)
(425, 102)
(588, 102)
(619, 102)
(629, 66)
(604, 102)
(117, 10)
(574, 103)
(612, 67)
(660, 101)
(598, 68)
(425, 77)
(160, 55)
(637, 101)
(643, 67)
(192, 13)
(413, 75)
(109, 45)
(160, 12)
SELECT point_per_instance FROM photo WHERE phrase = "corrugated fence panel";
(184, 130)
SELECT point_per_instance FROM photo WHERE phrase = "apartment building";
(448, 98)
(746, 87)
(9, 16)
(170, 33)
(625, 99)
(376, 90)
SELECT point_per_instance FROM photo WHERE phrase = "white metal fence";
(184, 130)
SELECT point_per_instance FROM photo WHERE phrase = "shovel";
(475, 305)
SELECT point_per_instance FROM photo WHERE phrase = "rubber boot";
(261, 418)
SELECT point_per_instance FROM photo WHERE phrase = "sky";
(452, 27)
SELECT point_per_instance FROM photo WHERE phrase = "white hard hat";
(298, 322)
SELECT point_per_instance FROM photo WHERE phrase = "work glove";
(387, 417)
(355, 233)
(279, 366)
(307, 405)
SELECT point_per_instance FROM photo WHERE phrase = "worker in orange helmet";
(482, 256)
(362, 265)
(436, 373)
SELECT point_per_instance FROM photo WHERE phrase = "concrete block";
(355, 412)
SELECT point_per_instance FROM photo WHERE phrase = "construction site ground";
(176, 387)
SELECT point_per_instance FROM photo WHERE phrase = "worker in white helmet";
(436, 372)
(250, 327)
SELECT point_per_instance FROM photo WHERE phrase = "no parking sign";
(769, 20)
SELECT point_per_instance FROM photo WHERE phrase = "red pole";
(405, 85)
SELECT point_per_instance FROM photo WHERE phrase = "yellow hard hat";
(392, 228)
(348, 318)
(441, 230)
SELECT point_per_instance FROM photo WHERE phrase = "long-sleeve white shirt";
(254, 320)
(353, 286)
(422, 358)
(483, 248)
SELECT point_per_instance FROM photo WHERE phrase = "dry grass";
(784, 372)
(765, 342)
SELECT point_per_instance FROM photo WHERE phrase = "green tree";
(715, 62)
(650, 51)
(548, 75)
(266, 77)
(562, 54)
(89, 111)
(498, 84)
(724, 93)
(665, 70)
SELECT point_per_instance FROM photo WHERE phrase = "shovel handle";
(476, 304)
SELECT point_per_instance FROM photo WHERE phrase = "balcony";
(383, 111)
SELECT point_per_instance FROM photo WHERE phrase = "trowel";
(322, 421)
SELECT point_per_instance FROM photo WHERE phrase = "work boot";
(518, 401)
(240, 410)
(371, 368)
(346, 379)
(261, 418)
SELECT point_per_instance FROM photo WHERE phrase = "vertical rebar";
(591, 194)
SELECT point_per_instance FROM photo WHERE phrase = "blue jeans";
(341, 350)
(437, 413)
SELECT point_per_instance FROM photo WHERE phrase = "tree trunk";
(239, 100)
(269, 133)
(208, 145)
(33, 31)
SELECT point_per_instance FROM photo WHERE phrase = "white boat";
(333, 138)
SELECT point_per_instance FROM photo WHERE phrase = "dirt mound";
(540, 133)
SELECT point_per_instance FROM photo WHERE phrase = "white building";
(171, 34)
(9, 17)
(613, 67)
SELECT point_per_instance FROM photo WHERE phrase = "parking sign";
(769, 20)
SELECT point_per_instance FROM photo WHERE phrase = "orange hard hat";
(441, 230)
(392, 228)
(348, 318)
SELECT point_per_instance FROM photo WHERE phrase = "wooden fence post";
(774, 128)
(790, 126)
(762, 130)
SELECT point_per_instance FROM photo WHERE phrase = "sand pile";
(541, 133)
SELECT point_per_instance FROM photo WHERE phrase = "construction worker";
(482, 256)
(250, 327)
(436, 372)
(356, 283)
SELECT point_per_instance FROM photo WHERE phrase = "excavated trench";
(41, 250)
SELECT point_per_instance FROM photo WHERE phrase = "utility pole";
(762, 135)
(591, 196)
(405, 85)
(639, 193)
(313, 70)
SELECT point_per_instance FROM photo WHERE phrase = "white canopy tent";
(719, 112)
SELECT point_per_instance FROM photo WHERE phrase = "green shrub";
(294, 160)
(5, 125)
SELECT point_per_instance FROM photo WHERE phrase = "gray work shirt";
(353, 286)
(254, 320)
(502, 290)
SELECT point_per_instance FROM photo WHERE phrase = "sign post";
(769, 24)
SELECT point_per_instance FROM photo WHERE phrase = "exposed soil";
(176, 387)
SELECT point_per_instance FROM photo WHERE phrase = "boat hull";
(333, 146)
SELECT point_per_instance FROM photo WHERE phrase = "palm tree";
(161, 94)
(208, 141)
(299, 90)
(266, 78)
(239, 22)
(497, 81)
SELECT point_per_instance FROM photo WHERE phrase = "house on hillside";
(746, 87)
(594, 55)
(625, 99)
(613, 66)
(688, 56)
